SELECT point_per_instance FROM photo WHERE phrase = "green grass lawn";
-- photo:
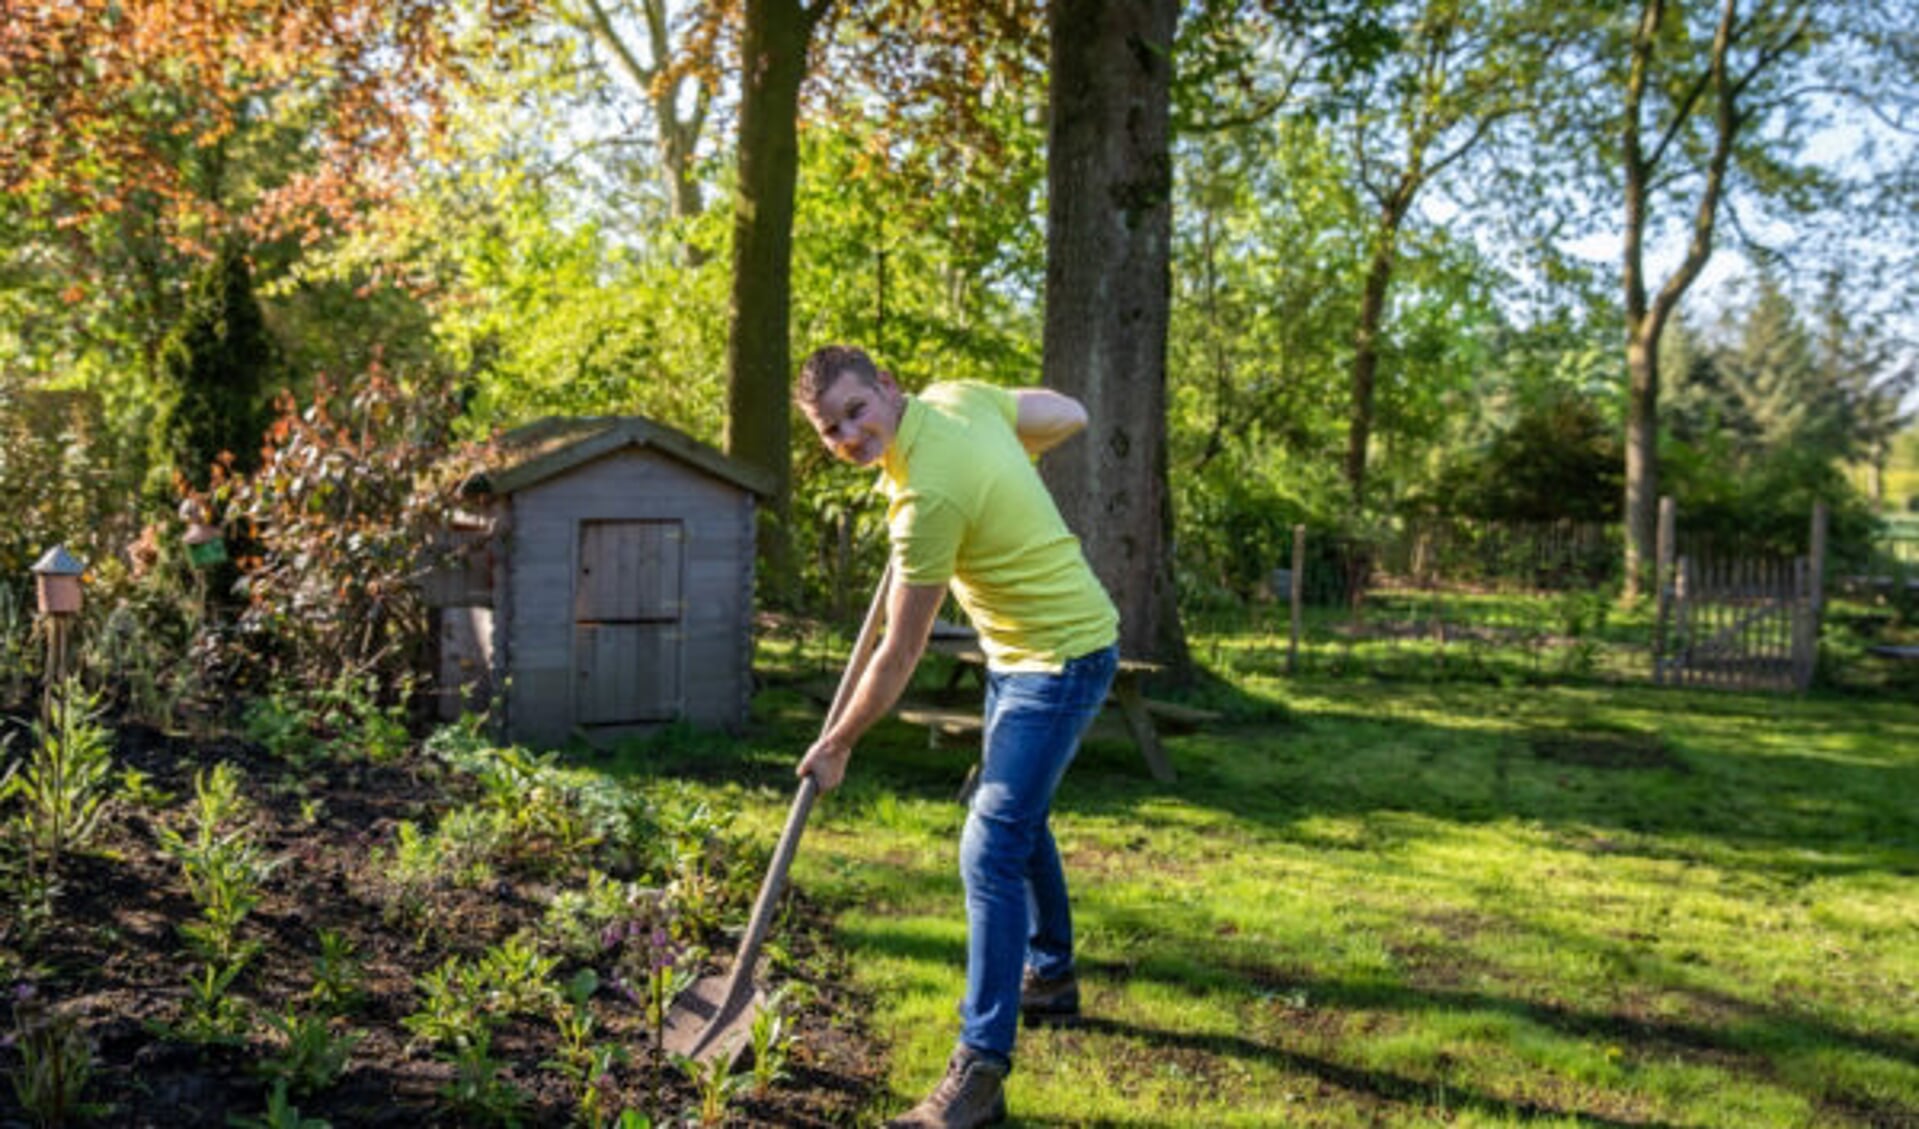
(1373, 903)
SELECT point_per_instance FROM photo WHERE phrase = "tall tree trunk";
(759, 346)
(1372, 311)
(1108, 291)
(1646, 315)
(1642, 448)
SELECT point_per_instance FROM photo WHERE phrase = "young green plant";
(772, 1043)
(64, 784)
(223, 868)
(589, 1065)
(280, 1114)
(312, 1056)
(56, 1062)
(338, 976)
(717, 1086)
(212, 1013)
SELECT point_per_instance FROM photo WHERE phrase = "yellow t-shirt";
(967, 507)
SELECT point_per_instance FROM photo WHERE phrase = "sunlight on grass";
(1415, 904)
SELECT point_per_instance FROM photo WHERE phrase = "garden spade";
(713, 1018)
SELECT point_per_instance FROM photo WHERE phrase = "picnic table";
(1142, 716)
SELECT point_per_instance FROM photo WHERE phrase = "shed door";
(626, 622)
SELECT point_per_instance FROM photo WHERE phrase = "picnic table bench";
(1142, 716)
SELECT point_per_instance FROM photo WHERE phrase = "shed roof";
(552, 446)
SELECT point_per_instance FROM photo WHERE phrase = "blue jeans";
(1016, 909)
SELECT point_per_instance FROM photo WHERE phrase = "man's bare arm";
(910, 609)
(1047, 418)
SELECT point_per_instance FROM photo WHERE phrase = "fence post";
(1297, 595)
(1682, 616)
(1813, 585)
(1818, 566)
(1662, 585)
(1804, 633)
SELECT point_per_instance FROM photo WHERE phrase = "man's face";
(857, 420)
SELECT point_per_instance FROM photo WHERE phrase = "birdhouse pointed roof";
(556, 444)
(59, 562)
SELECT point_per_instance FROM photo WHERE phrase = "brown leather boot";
(972, 1094)
(1044, 1002)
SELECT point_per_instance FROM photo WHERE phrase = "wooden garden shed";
(606, 586)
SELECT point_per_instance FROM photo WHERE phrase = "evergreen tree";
(1697, 404)
(1864, 367)
(214, 368)
(1782, 397)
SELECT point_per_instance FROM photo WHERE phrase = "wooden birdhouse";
(57, 577)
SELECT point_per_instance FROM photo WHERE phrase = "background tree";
(1707, 119)
(676, 77)
(141, 137)
(776, 39)
(1558, 460)
(1778, 395)
(1643, 148)
(1759, 428)
(1874, 373)
(220, 364)
(163, 127)
(1460, 69)
(1108, 289)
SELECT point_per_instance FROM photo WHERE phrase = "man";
(967, 510)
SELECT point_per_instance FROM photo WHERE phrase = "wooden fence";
(1738, 624)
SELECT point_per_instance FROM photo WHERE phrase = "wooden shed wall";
(542, 558)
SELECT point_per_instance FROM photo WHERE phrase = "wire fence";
(1455, 599)
(1505, 602)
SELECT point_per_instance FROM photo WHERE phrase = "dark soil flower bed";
(111, 956)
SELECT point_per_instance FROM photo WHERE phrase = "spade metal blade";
(704, 1024)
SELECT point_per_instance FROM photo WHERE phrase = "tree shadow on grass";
(1725, 1024)
(1358, 761)
(1786, 805)
(1366, 1085)
(1736, 1037)
(1276, 774)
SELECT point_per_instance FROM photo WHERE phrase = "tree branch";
(1772, 53)
(1480, 130)
(600, 24)
(1681, 114)
(1850, 93)
(1726, 121)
